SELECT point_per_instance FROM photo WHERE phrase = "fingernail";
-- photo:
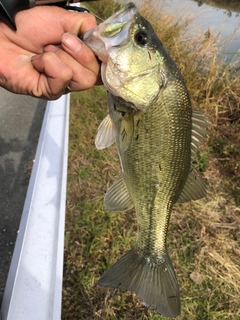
(35, 57)
(50, 48)
(71, 42)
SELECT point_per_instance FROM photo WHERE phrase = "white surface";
(34, 285)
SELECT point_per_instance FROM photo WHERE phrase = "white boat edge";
(34, 284)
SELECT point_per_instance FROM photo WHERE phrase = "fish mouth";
(113, 32)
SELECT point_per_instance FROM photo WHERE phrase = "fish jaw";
(123, 72)
(111, 33)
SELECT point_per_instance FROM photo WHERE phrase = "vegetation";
(204, 237)
(230, 5)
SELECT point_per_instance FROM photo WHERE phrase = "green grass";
(204, 237)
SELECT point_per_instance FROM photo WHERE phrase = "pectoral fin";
(106, 134)
(126, 132)
(117, 197)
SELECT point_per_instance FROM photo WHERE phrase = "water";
(216, 20)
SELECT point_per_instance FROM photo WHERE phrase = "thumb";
(80, 52)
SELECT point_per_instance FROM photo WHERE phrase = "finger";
(79, 23)
(53, 22)
(84, 75)
(54, 75)
(82, 78)
(81, 53)
(51, 48)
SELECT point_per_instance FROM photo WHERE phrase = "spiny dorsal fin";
(106, 134)
(117, 197)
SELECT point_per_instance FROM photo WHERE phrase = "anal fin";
(194, 187)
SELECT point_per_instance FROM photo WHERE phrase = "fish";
(157, 134)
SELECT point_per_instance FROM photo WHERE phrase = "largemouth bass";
(156, 133)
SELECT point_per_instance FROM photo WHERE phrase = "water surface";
(223, 20)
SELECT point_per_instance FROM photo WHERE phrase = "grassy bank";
(232, 5)
(203, 238)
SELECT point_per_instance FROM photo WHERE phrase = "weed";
(204, 235)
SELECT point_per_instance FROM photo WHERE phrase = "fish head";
(132, 65)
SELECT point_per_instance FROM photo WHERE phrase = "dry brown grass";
(204, 236)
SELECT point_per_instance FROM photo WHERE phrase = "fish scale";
(152, 192)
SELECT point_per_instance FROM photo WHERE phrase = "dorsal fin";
(194, 187)
(199, 130)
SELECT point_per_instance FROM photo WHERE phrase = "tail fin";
(155, 284)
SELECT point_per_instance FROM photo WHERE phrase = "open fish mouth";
(130, 61)
(112, 33)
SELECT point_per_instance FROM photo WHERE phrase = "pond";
(218, 16)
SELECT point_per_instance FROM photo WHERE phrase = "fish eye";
(141, 38)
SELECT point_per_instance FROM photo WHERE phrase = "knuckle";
(92, 19)
(89, 81)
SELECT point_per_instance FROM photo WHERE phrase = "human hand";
(45, 56)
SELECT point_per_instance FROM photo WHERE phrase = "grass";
(232, 5)
(204, 237)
